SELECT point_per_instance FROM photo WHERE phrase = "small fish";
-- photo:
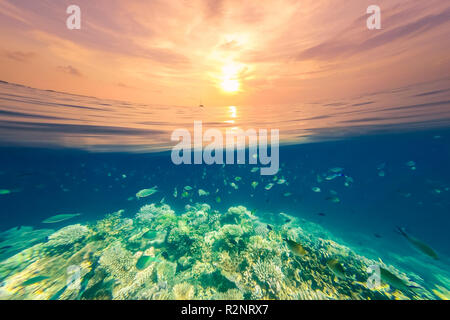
(185, 194)
(254, 184)
(296, 248)
(202, 193)
(146, 192)
(237, 179)
(333, 199)
(254, 170)
(381, 173)
(281, 181)
(60, 217)
(6, 191)
(321, 214)
(437, 191)
(376, 235)
(269, 186)
(418, 244)
(333, 176)
(34, 280)
(232, 184)
(316, 189)
(287, 194)
(218, 200)
(336, 169)
(336, 267)
(411, 163)
(269, 227)
(188, 188)
(144, 261)
(175, 193)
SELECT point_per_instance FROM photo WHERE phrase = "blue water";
(72, 181)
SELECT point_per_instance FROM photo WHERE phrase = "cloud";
(70, 70)
(214, 8)
(20, 56)
(339, 47)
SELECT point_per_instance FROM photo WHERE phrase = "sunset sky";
(191, 52)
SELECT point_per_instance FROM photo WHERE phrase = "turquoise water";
(351, 172)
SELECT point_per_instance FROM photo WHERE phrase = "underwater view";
(119, 179)
(81, 224)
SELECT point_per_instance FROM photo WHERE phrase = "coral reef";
(198, 254)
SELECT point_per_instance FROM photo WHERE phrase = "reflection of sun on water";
(233, 114)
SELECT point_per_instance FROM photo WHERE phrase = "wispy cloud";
(19, 56)
(291, 50)
(70, 70)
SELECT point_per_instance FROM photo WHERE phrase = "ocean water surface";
(92, 206)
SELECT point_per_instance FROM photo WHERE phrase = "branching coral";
(269, 274)
(118, 262)
(183, 291)
(67, 235)
(149, 212)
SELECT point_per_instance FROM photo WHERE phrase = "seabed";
(199, 253)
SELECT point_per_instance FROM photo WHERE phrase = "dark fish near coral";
(376, 235)
(321, 214)
(296, 248)
(269, 227)
(165, 255)
(423, 247)
(394, 281)
(34, 280)
(336, 267)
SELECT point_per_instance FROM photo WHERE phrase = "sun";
(229, 80)
(230, 85)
